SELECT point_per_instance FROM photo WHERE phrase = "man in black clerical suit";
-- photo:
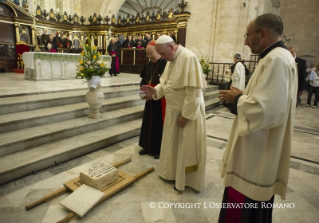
(302, 71)
(118, 42)
(44, 37)
(58, 40)
(154, 111)
(139, 42)
(147, 40)
(67, 43)
(51, 45)
(129, 43)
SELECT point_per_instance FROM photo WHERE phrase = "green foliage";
(204, 63)
(91, 62)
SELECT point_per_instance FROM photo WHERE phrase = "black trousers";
(312, 90)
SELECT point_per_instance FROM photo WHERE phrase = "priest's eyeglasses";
(149, 54)
(248, 34)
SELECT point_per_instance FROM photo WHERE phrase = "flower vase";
(206, 76)
(95, 98)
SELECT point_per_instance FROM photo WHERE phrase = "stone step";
(36, 91)
(211, 95)
(34, 140)
(27, 119)
(33, 102)
(45, 100)
(212, 103)
(16, 165)
(23, 139)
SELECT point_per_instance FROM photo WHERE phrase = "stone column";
(17, 32)
(181, 19)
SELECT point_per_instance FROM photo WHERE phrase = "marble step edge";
(16, 165)
(57, 101)
(211, 94)
(29, 103)
(31, 137)
(15, 121)
(54, 131)
(66, 90)
(62, 95)
(104, 88)
(212, 103)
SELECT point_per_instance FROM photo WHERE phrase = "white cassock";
(183, 148)
(256, 160)
(238, 77)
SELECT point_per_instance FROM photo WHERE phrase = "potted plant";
(205, 65)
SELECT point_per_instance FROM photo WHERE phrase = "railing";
(133, 60)
(133, 57)
(219, 69)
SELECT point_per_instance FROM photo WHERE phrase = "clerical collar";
(271, 47)
(159, 60)
(177, 51)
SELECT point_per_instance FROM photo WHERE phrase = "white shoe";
(307, 105)
(314, 106)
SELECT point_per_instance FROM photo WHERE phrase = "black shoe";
(177, 189)
(156, 157)
(142, 152)
(111, 75)
(115, 74)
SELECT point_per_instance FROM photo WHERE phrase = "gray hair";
(293, 47)
(271, 22)
(238, 56)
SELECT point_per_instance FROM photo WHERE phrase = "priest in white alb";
(238, 76)
(256, 160)
(183, 150)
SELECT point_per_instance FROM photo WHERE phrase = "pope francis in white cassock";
(183, 150)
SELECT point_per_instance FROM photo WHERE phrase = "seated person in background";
(51, 45)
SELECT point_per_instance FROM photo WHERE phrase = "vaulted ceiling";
(131, 7)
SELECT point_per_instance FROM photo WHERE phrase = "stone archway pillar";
(181, 19)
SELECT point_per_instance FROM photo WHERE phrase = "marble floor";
(15, 84)
(135, 203)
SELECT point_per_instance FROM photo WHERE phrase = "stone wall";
(218, 27)
(301, 23)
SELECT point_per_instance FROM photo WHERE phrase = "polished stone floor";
(14, 84)
(133, 204)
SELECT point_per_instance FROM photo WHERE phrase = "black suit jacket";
(128, 43)
(54, 45)
(302, 72)
(113, 48)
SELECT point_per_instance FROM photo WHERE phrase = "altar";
(46, 66)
